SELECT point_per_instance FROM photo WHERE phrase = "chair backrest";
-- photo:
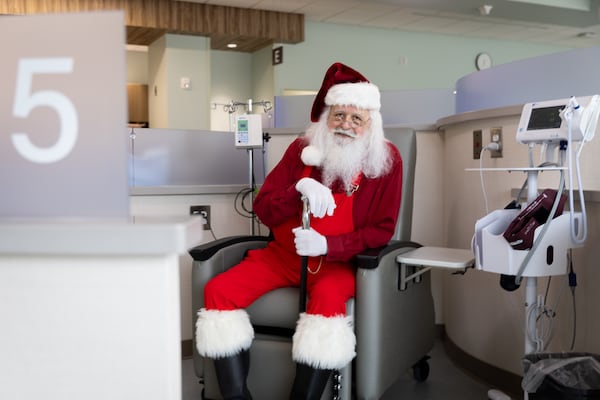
(405, 140)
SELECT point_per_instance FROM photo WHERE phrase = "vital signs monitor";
(543, 121)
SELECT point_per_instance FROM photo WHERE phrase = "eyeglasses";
(356, 120)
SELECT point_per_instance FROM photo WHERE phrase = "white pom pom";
(311, 155)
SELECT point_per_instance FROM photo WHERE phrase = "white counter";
(91, 310)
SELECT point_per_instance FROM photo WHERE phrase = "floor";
(445, 382)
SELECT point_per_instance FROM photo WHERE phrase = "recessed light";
(232, 45)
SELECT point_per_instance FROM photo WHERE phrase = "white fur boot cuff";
(223, 333)
(324, 342)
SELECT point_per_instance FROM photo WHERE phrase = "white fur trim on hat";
(363, 95)
(223, 333)
(324, 342)
(311, 155)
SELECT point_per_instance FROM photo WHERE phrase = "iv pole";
(531, 285)
(250, 176)
(231, 108)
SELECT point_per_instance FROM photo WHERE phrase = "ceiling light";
(232, 45)
(133, 47)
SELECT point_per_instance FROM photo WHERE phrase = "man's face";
(347, 122)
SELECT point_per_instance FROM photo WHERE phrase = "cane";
(337, 377)
(304, 263)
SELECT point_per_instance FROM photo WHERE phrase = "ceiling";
(573, 23)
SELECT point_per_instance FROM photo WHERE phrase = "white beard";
(343, 158)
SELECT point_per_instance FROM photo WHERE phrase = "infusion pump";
(545, 121)
(248, 131)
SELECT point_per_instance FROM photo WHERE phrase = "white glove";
(319, 197)
(309, 242)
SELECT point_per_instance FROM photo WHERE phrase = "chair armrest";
(370, 258)
(205, 251)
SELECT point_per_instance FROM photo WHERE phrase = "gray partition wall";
(398, 107)
(166, 157)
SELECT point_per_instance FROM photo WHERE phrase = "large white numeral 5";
(25, 101)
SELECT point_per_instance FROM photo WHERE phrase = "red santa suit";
(364, 218)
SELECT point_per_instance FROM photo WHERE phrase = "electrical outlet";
(203, 211)
(477, 144)
(496, 137)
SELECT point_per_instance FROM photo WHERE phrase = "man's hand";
(319, 197)
(309, 242)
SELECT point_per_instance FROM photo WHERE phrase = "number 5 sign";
(63, 141)
(26, 101)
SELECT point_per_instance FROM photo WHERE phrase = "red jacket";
(375, 210)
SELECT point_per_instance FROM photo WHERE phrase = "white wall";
(171, 58)
(158, 100)
(188, 57)
(231, 80)
(431, 60)
(137, 66)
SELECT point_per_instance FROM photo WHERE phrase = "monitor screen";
(545, 118)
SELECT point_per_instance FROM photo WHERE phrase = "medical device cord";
(245, 196)
(483, 193)
(582, 236)
(572, 286)
(491, 147)
(538, 330)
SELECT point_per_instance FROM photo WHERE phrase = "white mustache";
(348, 133)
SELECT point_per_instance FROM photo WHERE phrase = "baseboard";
(494, 377)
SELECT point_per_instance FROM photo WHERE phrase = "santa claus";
(352, 178)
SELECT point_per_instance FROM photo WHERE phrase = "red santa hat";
(343, 85)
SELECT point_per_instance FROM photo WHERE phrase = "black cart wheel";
(421, 369)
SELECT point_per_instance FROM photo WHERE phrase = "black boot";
(309, 382)
(232, 373)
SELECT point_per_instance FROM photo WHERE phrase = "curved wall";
(553, 76)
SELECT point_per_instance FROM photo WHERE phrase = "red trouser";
(274, 267)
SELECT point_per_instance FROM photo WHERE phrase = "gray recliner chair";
(394, 328)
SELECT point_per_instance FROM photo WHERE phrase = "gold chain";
(318, 267)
